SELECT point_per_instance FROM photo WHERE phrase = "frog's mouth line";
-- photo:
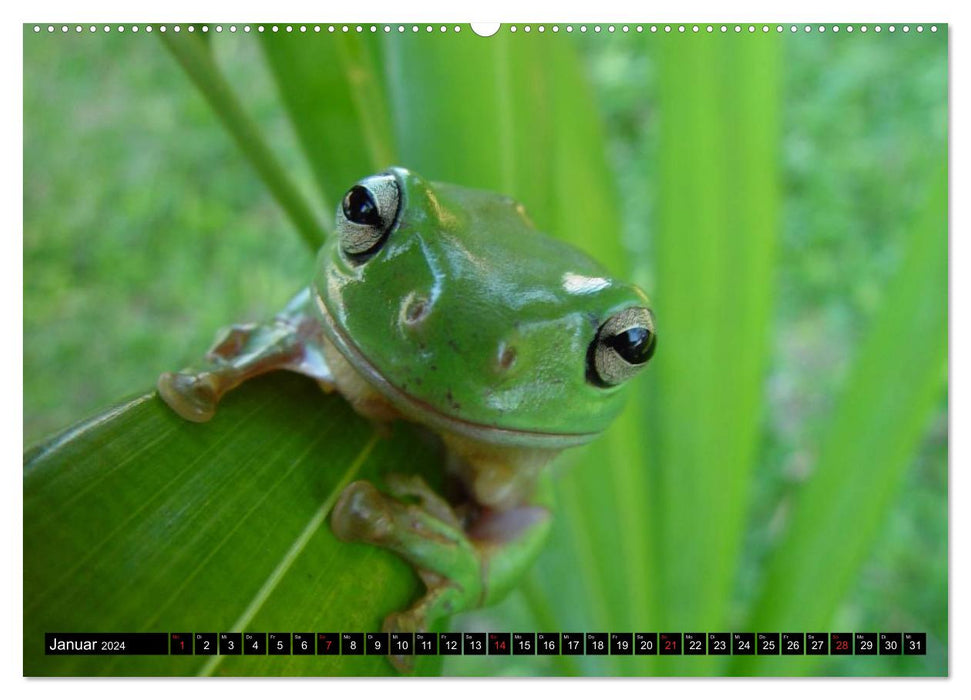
(427, 413)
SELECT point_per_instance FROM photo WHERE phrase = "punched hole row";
(442, 29)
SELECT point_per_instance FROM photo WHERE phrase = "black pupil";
(636, 345)
(359, 206)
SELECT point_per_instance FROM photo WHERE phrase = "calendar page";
(544, 349)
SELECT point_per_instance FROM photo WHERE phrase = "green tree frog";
(444, 306)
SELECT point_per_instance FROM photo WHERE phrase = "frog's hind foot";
(361, 514)
(462, 567)
(427, 534)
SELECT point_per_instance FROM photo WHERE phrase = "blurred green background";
(144, 232)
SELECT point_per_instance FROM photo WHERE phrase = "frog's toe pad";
(362, 514)
(189, 395)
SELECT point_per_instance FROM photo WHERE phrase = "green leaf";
(717, 227)
(513, 114)
(140, 521)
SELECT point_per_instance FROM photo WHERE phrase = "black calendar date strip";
(486, 644)
(105, 643)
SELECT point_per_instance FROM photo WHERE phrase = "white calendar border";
(603, 11)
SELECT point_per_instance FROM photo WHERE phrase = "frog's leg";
(293, 341)
(462, 569)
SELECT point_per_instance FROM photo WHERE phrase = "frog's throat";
(422, 411)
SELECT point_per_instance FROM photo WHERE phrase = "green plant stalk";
(198, 63)
(870, 442)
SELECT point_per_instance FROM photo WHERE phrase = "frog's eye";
(367, 214)
(624, 344)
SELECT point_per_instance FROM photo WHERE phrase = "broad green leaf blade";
(451, 118)
(585, 208)
(140, 521)
(197, 61)
(513, 113)
(717, 230)
(508, 113)
(332, 87)
(876, 426)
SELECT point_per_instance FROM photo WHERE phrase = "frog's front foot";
(428, 535)
(291, 341)
(192, 396)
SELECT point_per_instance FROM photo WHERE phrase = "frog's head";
(468, 319)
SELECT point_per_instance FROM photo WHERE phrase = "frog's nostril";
(507, 357)
(414, 309)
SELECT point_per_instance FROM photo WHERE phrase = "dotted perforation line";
(527, 28)
(247, 28)
(718, 28)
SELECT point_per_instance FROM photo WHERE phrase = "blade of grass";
(197, 61)
(717, 228)
(870, 442)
